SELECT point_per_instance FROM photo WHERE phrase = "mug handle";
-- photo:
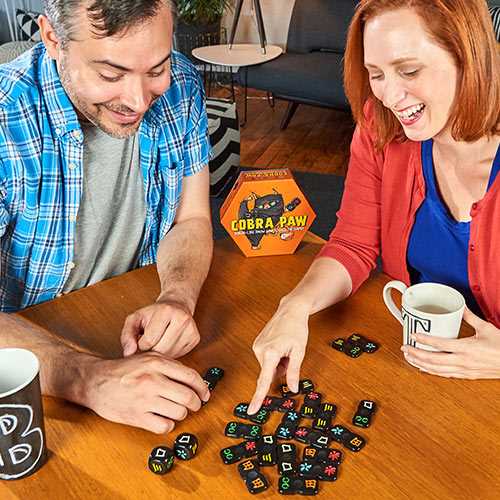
(401, 287)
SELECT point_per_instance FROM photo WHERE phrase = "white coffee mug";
(429, 308)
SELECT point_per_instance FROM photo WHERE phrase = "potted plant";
(202, 12)
(199, 22)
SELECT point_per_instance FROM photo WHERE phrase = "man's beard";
(83, 110)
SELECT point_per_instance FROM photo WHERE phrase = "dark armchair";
(310, 72)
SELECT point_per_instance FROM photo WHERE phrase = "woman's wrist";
(295, 304)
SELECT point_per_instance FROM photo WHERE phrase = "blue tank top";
(438, 244)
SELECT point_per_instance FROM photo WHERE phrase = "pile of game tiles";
(320, 462)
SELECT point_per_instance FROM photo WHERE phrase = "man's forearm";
(184, 258)
(63, 369)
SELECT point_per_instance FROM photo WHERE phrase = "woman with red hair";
(422, 190)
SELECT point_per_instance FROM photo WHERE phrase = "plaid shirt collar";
(61, 112)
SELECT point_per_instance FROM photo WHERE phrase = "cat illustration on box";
(269, 208)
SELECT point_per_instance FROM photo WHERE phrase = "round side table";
(241, 55)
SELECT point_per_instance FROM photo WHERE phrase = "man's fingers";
(180, 395)
(178, 340)
(293, 372)
(155, 329)
(170, 409)
(156, 423)
(130, 331)
(186, 376)
(266, 377)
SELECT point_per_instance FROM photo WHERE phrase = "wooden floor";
(317, 139)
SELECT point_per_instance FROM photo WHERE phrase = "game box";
(266, 213)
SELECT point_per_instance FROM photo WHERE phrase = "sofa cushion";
(319, 24)
(27, 22)
(10, 50)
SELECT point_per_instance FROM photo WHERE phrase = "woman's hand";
(280, 349)
(476, 357)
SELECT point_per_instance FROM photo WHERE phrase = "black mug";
(22, 435)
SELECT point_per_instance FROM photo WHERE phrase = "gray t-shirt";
(112, 214)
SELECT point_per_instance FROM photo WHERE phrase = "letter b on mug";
(22, 437)
(429, 308)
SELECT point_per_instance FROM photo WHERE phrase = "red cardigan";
(383, 192)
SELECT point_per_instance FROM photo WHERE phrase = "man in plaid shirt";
(103, 167)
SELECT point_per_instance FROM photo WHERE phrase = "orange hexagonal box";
(266, 213)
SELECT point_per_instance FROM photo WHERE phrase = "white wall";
(276, 14)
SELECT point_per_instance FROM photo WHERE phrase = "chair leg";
(244, 122)
(270, 99)
(233, 93)
(290, 111)
(210, 80)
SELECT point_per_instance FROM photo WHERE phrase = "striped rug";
(223, 128)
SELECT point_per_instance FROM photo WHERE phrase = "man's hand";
(146, 390)
(476, 357)
(183, 258)
(166, 327)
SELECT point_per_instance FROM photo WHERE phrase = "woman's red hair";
(465, 30)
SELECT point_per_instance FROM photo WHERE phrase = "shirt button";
(476, 288)
(474, 206)
(472, 247)
(58, 131)
(59, 295)
(72, 218)
(71, 265)
(72, 166)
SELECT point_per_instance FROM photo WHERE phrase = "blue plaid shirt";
(41, 170)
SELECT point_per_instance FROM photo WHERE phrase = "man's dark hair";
(107, 17)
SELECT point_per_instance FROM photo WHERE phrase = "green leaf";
(202, 11)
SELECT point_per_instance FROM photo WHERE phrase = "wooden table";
(432, 438)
